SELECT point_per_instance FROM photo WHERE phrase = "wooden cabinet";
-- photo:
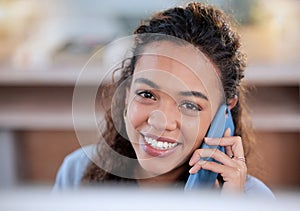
(274, 102)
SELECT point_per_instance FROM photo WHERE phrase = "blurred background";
(45, 44)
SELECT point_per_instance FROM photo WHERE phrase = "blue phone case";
(204, 178)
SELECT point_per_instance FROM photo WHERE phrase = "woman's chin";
(152, 169)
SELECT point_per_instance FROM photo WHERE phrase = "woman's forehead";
(185, 57)
(184, 53)
(174, 64)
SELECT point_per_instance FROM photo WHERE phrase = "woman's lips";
(158, 146)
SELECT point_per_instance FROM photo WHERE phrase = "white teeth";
(159, 144)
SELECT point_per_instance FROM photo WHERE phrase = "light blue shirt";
(74, 165)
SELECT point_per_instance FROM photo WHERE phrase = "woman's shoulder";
(73, 167)
(256, 188)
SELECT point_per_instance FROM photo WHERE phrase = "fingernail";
(207, 139)
(194, 159)
(192, 170)
(199, 165)
(227, 132)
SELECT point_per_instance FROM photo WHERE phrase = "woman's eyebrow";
(183, 93)
(194, 94)
(146, 81)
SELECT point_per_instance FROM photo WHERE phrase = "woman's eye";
(190, 108)
(146, 94)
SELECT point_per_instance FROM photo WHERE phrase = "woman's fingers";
(228, 149)
(231, 166)
(234, 156)
(197, 166)
(234, 177)
(226, 171)
(211, 153)
(233, 144)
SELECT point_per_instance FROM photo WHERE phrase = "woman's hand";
(232, 166)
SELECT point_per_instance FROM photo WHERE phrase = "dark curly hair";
(208, 29)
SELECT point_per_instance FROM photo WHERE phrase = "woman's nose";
(163, 119)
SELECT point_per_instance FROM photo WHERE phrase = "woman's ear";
(232, 102)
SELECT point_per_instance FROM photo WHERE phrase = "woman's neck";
(168, 179)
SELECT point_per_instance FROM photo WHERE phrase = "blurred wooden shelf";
(280, 74)
(285, 122)
(39, 120)
(43, 119)
(65, 75)
(63, 120)
(44, 108)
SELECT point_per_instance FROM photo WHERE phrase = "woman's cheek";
(137, 114)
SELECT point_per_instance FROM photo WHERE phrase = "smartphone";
(204, 179)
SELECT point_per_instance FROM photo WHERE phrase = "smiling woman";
(186, 63)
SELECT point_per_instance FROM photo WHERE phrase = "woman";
(186, 62)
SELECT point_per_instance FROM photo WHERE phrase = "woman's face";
(174, 94)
